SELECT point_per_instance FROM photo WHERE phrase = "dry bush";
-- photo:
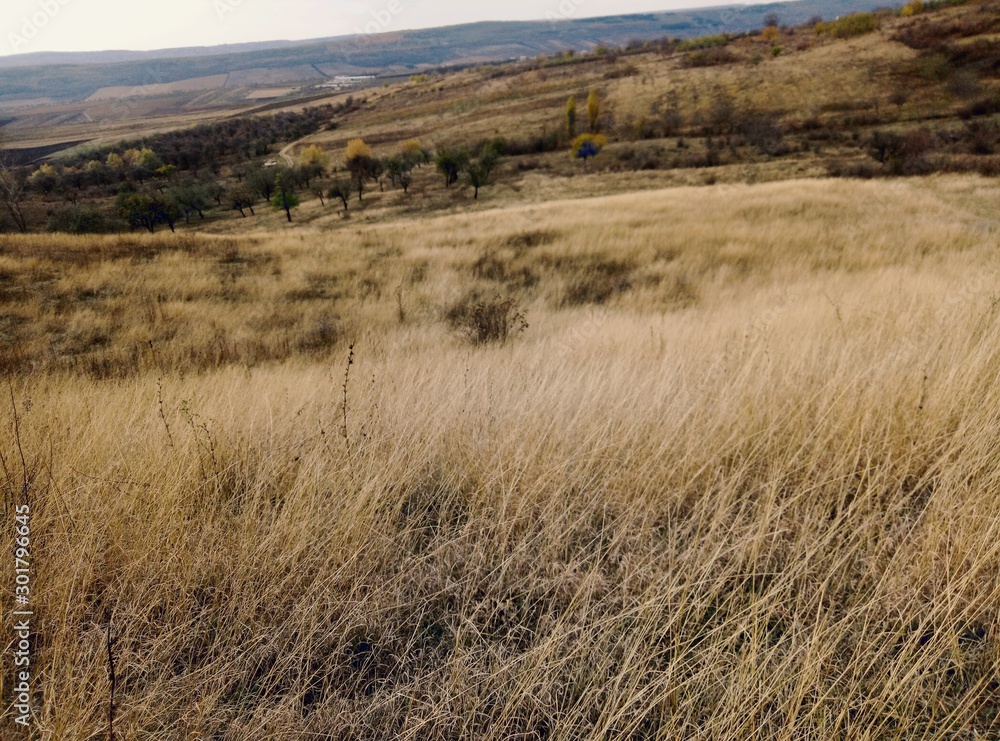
(486, 320)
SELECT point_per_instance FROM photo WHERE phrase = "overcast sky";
(96, 25)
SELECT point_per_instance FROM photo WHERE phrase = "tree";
(166, 171)
(376, 171)
(319, 190)
(192, 199)
(358, 158)
(12, 193)
(168, 211)
(284, 199)
(586, 146)
(262, 181)
(147, 210)
(593, 110)
(400, 171)
(761, 130)
(214, 190)
(313, 163)
(242, 198)
(45, 179)
(482, 167)
(341, 189)
(116, 163)
(314, 156)
(415, 153)
(451, 163)
(571, 117)
(98, 173)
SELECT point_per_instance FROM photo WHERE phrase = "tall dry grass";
(737, 479)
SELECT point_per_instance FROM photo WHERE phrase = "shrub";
(902, 154)
(848, 26)
(586, 146)
(703, 42)
(983, 137)
(986, 106)
(596, 281)
(762, 131)
(709, 58)
(483, 321)
(934, 67)
(81, 220)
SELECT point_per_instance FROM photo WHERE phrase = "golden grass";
(737, 479)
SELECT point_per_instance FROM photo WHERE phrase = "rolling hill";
(75, 77)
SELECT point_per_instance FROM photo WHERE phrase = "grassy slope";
(735, 480)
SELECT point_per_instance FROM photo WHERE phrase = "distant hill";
(76, 76)
(46, 58)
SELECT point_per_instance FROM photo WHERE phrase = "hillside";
(61, 78)
(904, 95)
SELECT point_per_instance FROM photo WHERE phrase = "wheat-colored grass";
(736, 480)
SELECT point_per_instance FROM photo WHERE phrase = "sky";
(97, 25)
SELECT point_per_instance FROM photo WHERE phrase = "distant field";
(200, 83)
(270, 93)
(273, 75)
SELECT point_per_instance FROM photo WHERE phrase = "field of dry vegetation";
(709, 462)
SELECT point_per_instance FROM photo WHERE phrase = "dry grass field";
(735, 479)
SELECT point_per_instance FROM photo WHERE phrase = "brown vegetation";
(749, 492)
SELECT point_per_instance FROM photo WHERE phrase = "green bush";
(848, 26)
(81, 220)
(704, 42)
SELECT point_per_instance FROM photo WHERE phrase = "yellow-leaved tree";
(315, 157)
(360, 163)
(593, 110)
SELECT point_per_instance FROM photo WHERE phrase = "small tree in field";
(243, 198)
(315, 157)
(284, 199)
(451, 163)
(359, 160)
(414, 153)
(586, 146)
(146, 210)
(341, 189)
(480, 170)
(571, 117)
(593, 110)
(400, 171)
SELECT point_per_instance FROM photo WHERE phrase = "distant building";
(342, 82)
